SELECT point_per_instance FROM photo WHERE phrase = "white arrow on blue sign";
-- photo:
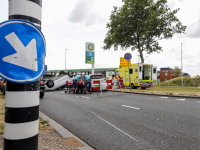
(22, 51)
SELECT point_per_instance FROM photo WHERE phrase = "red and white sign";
(111, 84)
(128, 56)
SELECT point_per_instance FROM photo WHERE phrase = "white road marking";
(109, 123)
(62, 92)
(85, 97)
(180, 99)
(164, 97)
(130, 107)
(198, 101)
(77, 96)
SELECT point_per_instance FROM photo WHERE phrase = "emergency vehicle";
(141, 75)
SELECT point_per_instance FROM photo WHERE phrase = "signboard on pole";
(128, 57)
(22, 51)
(124, 62)
(89, 53)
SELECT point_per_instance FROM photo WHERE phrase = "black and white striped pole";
(22, 99)
(30, 10)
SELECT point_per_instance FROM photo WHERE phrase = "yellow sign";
(124, 62)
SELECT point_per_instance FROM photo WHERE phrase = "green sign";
(89, 58)
(89, 53)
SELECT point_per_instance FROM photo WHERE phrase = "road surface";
(127, 122)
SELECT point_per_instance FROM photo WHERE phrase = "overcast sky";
(70, 24)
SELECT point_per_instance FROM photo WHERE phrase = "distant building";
(166, 69)
(165, 73)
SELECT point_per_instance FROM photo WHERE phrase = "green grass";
(169, 90)
(43, 125)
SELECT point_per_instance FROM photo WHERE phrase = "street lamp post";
(65, 60)
(181, 64)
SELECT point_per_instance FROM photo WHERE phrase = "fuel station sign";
(89, 53)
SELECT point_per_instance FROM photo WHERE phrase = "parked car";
(42, 89)
(96, 77)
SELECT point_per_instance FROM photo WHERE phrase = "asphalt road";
(127, 122)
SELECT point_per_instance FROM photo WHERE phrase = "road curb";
(182, 96)
(64, 132)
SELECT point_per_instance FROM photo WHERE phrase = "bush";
(187, 81)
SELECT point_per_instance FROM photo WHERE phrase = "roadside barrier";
(108, 85)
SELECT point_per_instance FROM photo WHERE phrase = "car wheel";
(41, 94)
(70, 74)
(50, 83)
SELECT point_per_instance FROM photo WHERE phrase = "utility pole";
(181, 64)
(22, 99)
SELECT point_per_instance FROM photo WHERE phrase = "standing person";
(75, 83)
(87, 81)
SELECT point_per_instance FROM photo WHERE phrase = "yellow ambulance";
(141, 75)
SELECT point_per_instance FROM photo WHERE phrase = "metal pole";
(125, 77)
(181, 64)
(22, 100)
(129, 75)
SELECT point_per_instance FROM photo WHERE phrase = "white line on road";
(109, 123)
(62, 92)
(130, 107)
(77, 96)
(85, 97)
(180, 99)
(163, 97)
(198, 101)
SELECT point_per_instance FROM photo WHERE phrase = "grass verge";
(43, 125)
(2, 112)
(169, 90)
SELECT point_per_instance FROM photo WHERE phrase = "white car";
(96, 77)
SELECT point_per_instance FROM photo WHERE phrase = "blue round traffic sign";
(128, 56)
(22, 51)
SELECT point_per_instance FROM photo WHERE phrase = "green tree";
(140, 24)
(177, 72)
